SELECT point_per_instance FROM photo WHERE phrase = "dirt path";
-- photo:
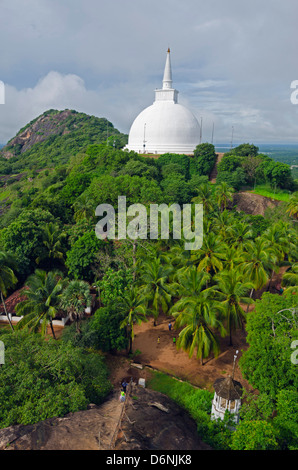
(213, 173)
(165, 357)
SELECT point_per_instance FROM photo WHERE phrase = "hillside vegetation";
(51, 184)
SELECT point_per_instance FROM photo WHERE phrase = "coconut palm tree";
(52, 240)
(231, 291)
(190, 282)
(134, 310)
(84, 207)
(222, 222)
(292, 206)
(7, 278)
(238, 234)
(223, 194)
(259, 261)
(154, 290)
(290, 279)
(205, 197)
(42, 301)
(211, 255)
(199, 315)
(75, 299)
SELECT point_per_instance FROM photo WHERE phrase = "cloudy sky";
(233, 62)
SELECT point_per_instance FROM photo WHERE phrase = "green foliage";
(182, 161)
(106, 323)
(176, 189)
(42, 301)
(82, 256)
(236, 179)
(254, 435)
(42, 379)
(205, 158)
(286, 421)
(267, 363)
(24, 238)
(246, 150)
(229, 163)
(113, 285)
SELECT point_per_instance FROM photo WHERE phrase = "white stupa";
(165, 126)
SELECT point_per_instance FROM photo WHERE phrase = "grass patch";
(197, 403)
(278, 194)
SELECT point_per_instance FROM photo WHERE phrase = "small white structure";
(165, 126)
(142, 383)
(227, 396)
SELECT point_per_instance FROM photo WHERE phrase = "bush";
(254, 435)
(42, 379)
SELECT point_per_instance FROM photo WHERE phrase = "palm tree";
(223, 194)
(239, 234)
(211, 255)
(259, 261)
(205, 197)
(75, 299)
(231, 291)
(84, 207)
(154, 290)
(7, 278)
(52, 239)
(190, 282)
(222, 222)
(199, 315)
(42, 301)
(234, 257)
(290, 279)
(134, 310)
(292, 206)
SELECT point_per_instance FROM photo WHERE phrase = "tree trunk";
(270, 280)
(52, 329)
(250, 296)
(231, 342)
(134, 248)
(9, 321)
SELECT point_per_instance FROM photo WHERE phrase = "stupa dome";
(165, 126)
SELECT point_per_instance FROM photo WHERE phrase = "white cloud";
(233, 62)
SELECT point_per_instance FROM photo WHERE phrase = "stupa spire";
(167, 76)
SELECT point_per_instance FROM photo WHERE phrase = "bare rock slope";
(147, 420)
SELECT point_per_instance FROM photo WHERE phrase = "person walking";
(158, 340)
(170, 326)
(174, 340)
(124, 385)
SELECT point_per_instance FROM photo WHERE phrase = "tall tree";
(259, 261)
(211, 255)
(231, 291)
(223, 195)
(154, 290)
(198, 314)
(75, 299)
(292, 206)
(133, 307)
(52, 240)
(205, 197)
(7, 278)
(42, 301)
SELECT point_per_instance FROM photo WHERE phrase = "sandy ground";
(165, 356)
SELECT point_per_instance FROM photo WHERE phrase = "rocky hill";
(56, 135)
(149, 421)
